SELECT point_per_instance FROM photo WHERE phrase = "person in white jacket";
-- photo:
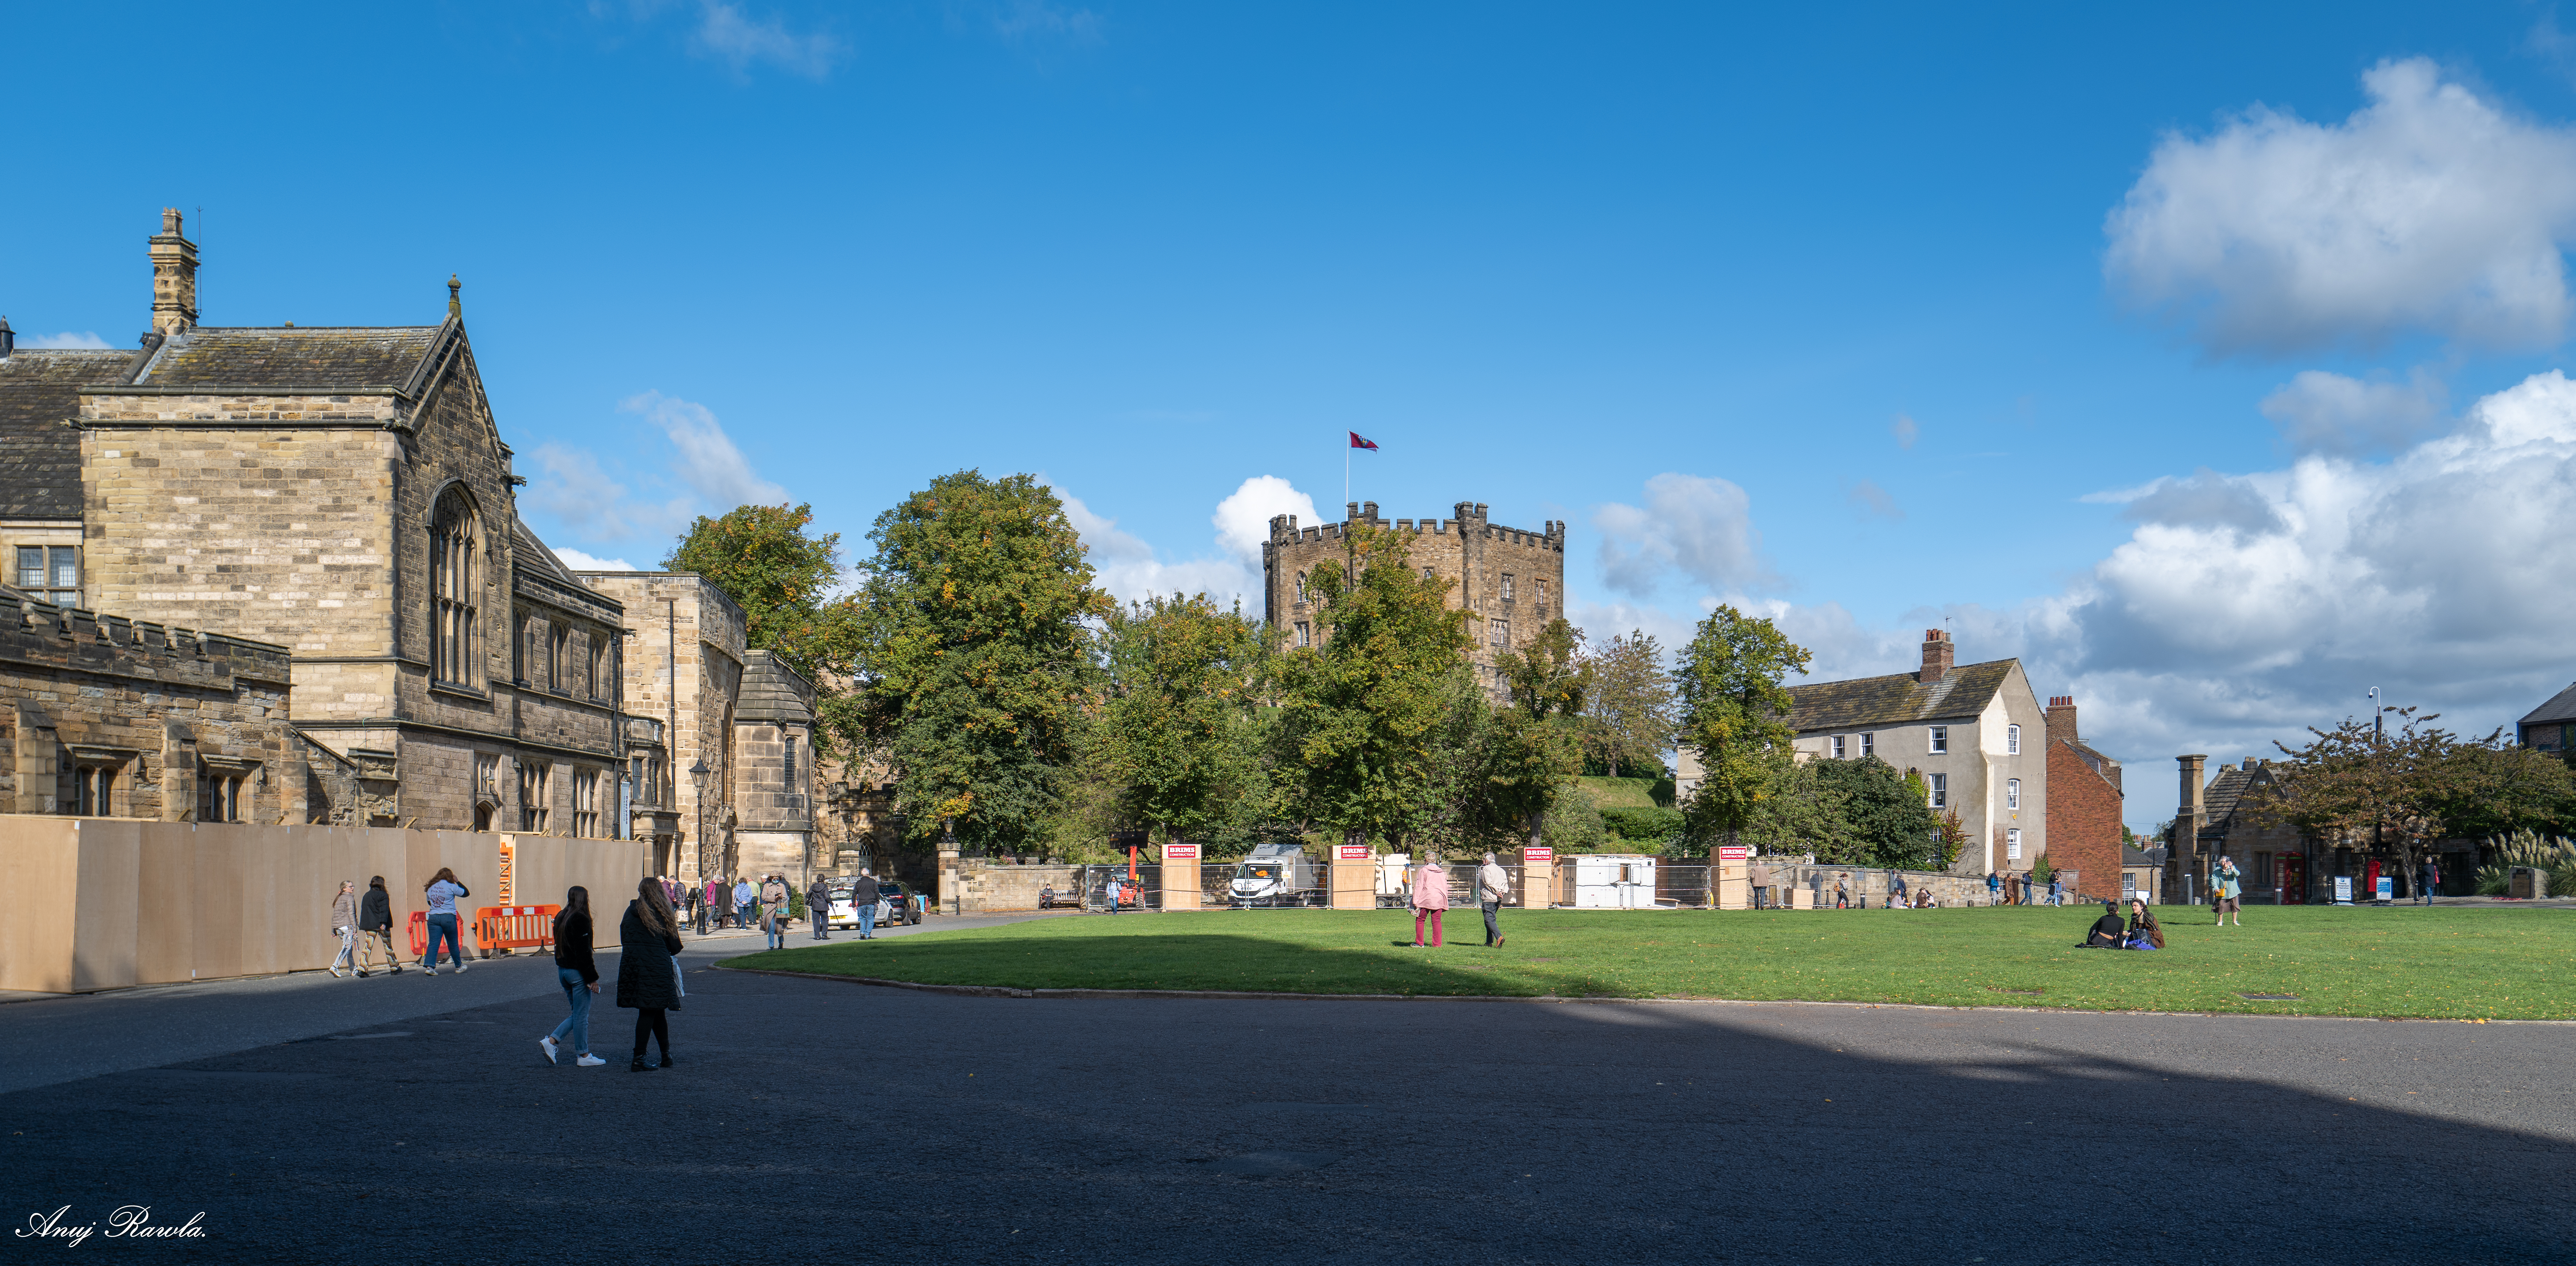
(1493, 884)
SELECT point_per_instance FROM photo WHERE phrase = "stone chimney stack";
(174, 278)
(2061, 719)
(1936, 657)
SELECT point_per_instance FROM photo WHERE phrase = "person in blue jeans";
(866, 899)
(579, 977)
(443, 890)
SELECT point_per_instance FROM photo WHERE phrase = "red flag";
(1357, 442)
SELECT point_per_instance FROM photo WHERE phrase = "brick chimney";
(1936, 656)
(174, 278)
(2061, 719)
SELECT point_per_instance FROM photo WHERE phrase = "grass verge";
(2363, 961)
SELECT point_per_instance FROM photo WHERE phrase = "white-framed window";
(1940, 738)
(1868, 744)
(452, 646)
(50, 572)
(585, 803)
(1507, 586)
(2012, 794)
(1305, 634)
(2012, 740)
(1837, 742)
(2012, 844)
(1502, 630)
(1940, 791)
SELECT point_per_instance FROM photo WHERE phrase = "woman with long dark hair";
(579, 977)
(442, 891)
(647, 973)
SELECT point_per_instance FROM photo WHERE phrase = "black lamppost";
(698, 772)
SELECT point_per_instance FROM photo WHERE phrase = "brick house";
(2084, 804)
(2551, 727)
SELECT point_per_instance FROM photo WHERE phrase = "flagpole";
(1346, 472)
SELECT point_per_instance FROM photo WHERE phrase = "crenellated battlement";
(33, 631)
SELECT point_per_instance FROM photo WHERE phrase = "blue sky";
(2176, 352)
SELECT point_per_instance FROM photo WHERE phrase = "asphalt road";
(834, 1122)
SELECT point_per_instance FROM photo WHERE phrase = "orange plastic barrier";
(514, 927)
(419, 934)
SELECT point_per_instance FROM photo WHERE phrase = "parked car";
(844, 894)
(900, 903)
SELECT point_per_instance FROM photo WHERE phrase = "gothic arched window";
(453, 645)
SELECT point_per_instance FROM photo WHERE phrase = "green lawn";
(2362, 961)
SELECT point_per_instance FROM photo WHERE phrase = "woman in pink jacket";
(1430, 897)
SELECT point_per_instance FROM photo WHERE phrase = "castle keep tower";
(1514, 578)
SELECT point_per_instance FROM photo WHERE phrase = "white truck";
(1274, 875)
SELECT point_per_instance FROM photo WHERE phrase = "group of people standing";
(2023, 888)
(714, 904)
(364, 924)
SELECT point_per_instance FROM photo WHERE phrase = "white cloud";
(741, 41)
(2430, 208)
(1243, 519)
(579, 561)
(1699, 526)
(1128, 569)
(1906, 430)
(68, 339)
(2320, 412)
(709, 463)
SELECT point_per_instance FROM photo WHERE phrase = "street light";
(698, 772)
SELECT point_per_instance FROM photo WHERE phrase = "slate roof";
(1896, 699)
(2224, 793)
(39, 455)
(534, 555)
(774, 692)
(2561, 707)
(318, 358)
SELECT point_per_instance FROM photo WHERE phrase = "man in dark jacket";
(818, 906)
(376, 926)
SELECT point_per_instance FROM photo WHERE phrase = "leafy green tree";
(784, 579)
(2498, 789)
(1733, 712)
(1180, 726)
(1628, 723)
(975, 657)
(1362, 715)
(2372, 787)
(1889, 815)
(1802, 813)
(1533, 750)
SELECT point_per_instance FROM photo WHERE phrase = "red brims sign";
(1533, 856)
(1354, 852)
(1180, 852)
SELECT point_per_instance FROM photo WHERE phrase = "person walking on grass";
(2227, 890)
(376, 925)
(1493, 883)
(442, 891)
(2427, 877)
(648, 980)
(2056, 888)
(1430, 898)
(818, 907)
(1994, 889)
(579, 976)
(344, 925)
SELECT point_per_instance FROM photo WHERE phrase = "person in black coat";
(376, 926)
(2108, 931)
(818, 906)
(648, 980)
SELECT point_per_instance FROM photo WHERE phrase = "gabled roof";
(2561, 707)
(772, 691)
(2221, 797)
(318, 358)
(39, 453)
(1896, 699)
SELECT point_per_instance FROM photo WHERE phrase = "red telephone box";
(2294, 879)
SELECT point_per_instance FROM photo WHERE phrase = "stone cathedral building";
(333, 510)
(1511, 577)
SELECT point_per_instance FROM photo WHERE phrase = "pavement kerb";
(1006, 991)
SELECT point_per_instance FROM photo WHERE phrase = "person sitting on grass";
(2108, 931)
(1923, 897)
(2144, 932)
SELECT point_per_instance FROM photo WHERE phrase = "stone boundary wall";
(103, 903)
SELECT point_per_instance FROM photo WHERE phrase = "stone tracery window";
(453, 634)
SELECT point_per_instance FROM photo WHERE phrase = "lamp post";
(698, 772)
